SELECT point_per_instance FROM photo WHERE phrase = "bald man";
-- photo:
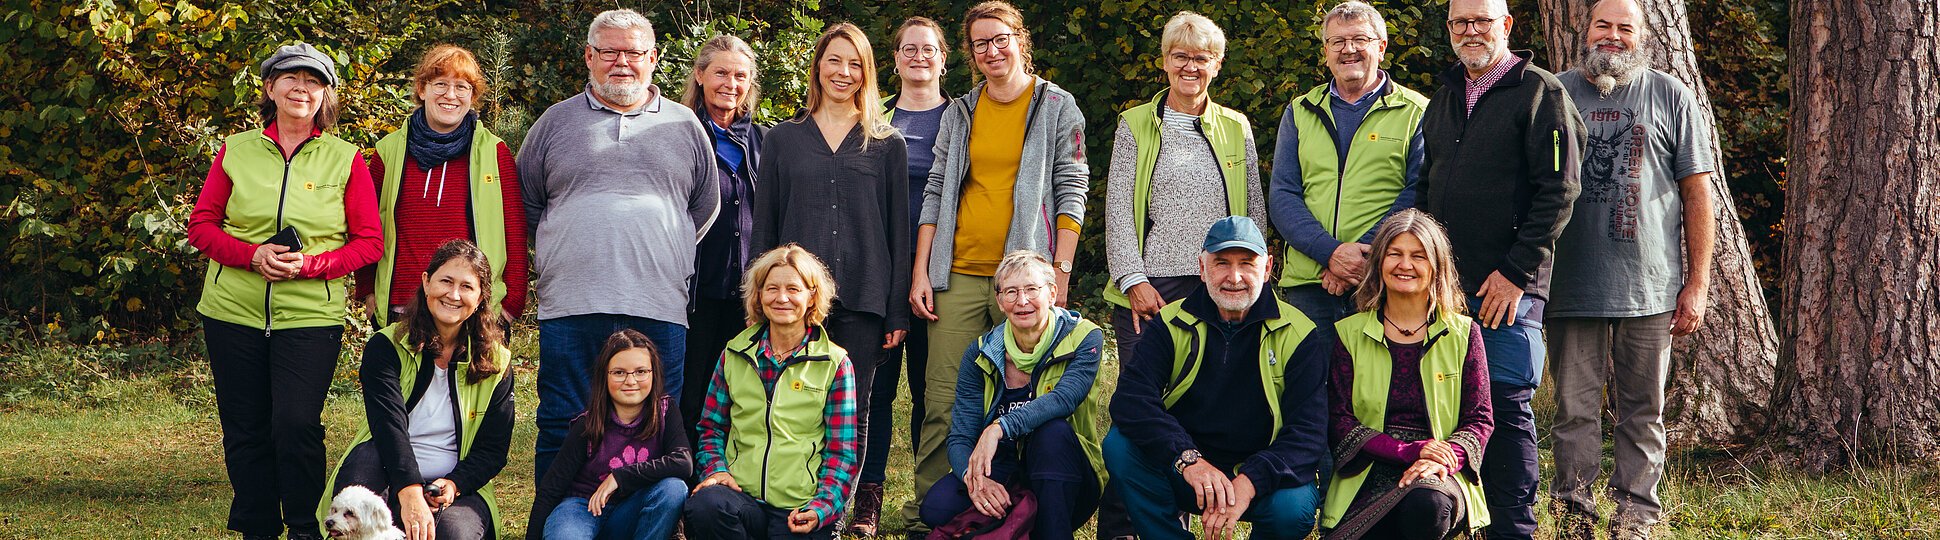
(1623, 286)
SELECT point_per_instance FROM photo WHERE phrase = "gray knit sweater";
(1052, 177)
(1189, 194)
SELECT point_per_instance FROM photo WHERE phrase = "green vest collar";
(486, 210)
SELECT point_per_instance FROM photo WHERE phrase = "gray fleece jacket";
(1052, 177)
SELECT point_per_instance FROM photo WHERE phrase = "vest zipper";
(768, 445)
(282, 193)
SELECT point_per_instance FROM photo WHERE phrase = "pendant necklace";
(1404, 332)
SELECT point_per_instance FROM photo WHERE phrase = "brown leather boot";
(868, 510)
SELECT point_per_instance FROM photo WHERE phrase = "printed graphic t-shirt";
(1621, 254)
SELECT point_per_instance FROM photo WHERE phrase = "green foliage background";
(114, 109)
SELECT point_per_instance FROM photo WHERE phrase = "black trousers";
(1422, 514)
(710, 326)
(718, 512)
(468, 517)
(861, 335)
(914, 354)
(269, 397)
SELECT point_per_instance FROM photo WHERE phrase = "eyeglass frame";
(1361, 43)
(623, 376)
(981, 46)
(433, 88)
(912, 51)
(1179, 59)
(631, 55)
(1013, 294)
(1468, 26)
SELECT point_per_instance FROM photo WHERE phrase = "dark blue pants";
(1155, 496)
(718, 512)
(568, 349)
(1509, 478)
(1314, 302)
(913, 353)
(1055, 468)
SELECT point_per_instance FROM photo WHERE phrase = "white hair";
(1024, 261)
(1354, 11)
(1194, 32)
(620, 19)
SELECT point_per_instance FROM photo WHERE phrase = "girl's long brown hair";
(599, 405)
(480, 333)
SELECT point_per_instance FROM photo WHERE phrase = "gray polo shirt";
(615, 203)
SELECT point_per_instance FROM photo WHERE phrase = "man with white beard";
(1503, 143)
(618, 187)
(1623, 286)
(1223, 413)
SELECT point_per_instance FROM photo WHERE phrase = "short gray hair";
(1354, 11)
(1023, 261)
(1192, 31)
(620, 19)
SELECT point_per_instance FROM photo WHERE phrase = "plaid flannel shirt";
(839, 457)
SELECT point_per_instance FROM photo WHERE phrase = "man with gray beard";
(1623, 287)
(1503, 143)
(618, 186)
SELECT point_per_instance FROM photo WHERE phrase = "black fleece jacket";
(388, 409)
(1503, 179)
(676, 461)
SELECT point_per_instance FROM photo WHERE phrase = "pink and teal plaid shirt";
(839, 459)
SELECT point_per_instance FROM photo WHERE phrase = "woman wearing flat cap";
(286, 213)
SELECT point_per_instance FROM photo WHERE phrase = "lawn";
(124, 455)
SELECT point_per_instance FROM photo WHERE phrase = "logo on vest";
(311, 186)
(490, 177)
(797, 385)
(1440, 377)
(1372, 136)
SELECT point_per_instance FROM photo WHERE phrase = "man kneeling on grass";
(1247, 370)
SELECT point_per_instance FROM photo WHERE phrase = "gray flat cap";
(301, 55)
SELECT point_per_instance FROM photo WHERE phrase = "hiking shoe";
(1572, 525)
(867, 512)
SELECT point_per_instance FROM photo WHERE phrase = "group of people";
(712, 361)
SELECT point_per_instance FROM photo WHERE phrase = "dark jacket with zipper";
(388, 411)
(724, 250)
(1502, 179)
(675, 460)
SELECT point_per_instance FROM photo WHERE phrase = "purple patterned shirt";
(1480, 85)
(1407, 406)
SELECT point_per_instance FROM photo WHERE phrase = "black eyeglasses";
(1002, 41)
(1472, 26)
(632, 55)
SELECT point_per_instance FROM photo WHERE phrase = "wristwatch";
(1063, 266)
(1186, 459)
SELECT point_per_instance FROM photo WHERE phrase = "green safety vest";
(1281, 334)
(1083, 419)
(1225, 128)
(487, 211)
(1441, 383)
(776, 435)
(1377, 162)
(474, 402)
(307, 192)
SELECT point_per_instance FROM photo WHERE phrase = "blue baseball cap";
(1235, 232)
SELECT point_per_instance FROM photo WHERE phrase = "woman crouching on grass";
(438, 405)
(621, 472)
(782, 406)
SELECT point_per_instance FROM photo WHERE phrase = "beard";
(624, 94)
(1233, 300)
(1478, 60)
(1610, 70)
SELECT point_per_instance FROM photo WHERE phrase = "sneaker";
(867, 512)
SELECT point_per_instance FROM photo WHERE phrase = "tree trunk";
(1861, 373)
(1721, 376)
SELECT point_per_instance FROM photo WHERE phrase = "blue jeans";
(649, 514)
(568, 349)
(1157, 497)
(1314, 302)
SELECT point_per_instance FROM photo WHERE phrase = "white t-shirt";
(434, 428)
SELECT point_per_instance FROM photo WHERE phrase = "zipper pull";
(1271, 358)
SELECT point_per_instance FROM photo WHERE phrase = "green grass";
(112, 453)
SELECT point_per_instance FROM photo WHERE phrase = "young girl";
(620, 472)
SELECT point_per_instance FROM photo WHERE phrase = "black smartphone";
(287, 238)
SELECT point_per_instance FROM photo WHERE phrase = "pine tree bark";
(1722, 375)
(1861, 371)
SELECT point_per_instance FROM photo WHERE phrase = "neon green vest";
(1377, 164)
(474, 401)
(306, 192)
(1441, 383)
(1224, 128)
(1278, 339)
(487, 211)
(776, 436)
(1083, 419)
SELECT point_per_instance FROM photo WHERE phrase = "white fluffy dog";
(358, 514)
